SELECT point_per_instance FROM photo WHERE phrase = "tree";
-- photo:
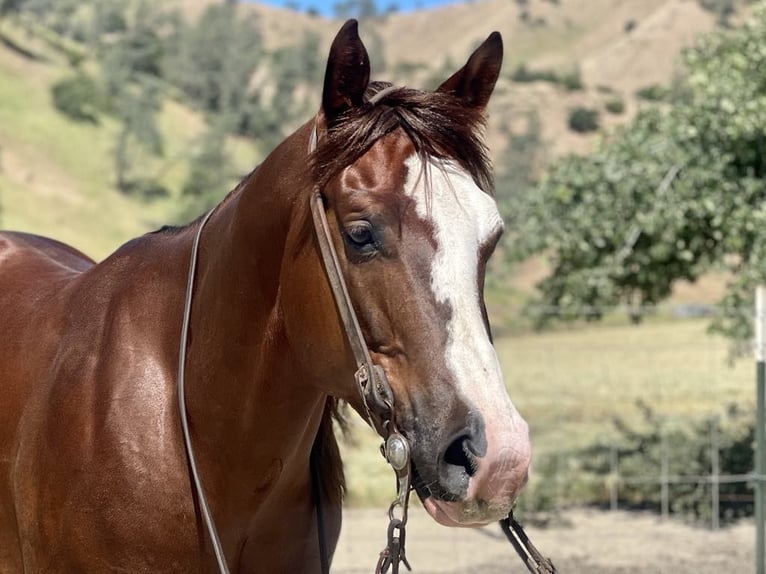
(519, 166)
(294, 67)
(208, 172)
(137, 107)
(583, 120)
(679, 191)
(79, 97)
(131, 70)
(214, 60)
(361, 9)
(8, 7)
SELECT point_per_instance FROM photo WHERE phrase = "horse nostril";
(460, 453)
(459, 461)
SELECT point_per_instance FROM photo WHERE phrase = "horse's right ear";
(347, 74)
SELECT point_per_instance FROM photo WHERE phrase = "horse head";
(407, 188)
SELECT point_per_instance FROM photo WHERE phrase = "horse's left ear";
(474, 82)
(347, 74)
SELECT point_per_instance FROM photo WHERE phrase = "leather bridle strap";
(371, 381)
(372, 385)
(203, 505)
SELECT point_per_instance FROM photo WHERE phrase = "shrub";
(79, 97)
(572, 81)
(686, 449)
(583, 120)
(653, 93)
(615, 106)
(524, 75)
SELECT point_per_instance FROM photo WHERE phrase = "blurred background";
(630, 154)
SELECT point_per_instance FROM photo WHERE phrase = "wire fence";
(679, 372)
(571, 383)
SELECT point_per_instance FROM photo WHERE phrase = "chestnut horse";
(93, 472)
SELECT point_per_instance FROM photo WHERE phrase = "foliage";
(571, 80)
(685, 450)
(583, 119)
(79, 97)
(137, 107)
(520, 164)
(212, 60)
(208, 169)
(267, 117)
(679, 191)
(131, 73)
(615, 105)
(638, 457)
(360, 9)
(723, 9)
(9, 7)
(653, 93)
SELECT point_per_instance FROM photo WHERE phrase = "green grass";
(570, 385)
(57, 176)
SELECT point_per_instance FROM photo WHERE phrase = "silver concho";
(397, 451)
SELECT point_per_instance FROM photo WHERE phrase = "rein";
(379, 408)
(204, 508)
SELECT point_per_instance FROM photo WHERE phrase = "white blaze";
(464, 218)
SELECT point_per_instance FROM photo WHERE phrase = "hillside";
(56, 175)
(619, 46)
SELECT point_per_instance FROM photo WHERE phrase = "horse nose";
(459, 460)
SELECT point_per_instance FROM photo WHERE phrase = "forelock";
(439, 125)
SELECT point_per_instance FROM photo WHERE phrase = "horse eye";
(360, 236)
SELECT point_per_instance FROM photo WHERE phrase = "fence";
(673, 354)
(665, 479)
(569, 382)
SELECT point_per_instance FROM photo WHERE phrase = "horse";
(94, 475)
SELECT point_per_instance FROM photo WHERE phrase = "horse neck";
(244, 385)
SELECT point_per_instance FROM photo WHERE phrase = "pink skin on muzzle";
(498, 481)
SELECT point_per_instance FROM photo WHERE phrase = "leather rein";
(379, 408)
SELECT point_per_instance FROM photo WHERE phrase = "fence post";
(664, 497)
(715, 473)
(760, 455)
(613, 486)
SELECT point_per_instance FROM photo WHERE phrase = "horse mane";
(439, 125)
(327, 455)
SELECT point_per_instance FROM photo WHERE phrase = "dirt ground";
(587, 542)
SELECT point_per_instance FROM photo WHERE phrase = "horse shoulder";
(105, 405)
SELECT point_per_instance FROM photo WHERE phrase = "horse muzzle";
(478, 475)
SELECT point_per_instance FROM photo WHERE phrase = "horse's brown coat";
(93, 474)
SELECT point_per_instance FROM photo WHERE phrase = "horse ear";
(347, 74)
(474, 82)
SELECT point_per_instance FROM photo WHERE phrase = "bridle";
(371, 383)
(374, 391)
(377, 400)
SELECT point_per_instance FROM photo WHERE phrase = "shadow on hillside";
(20, 50)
